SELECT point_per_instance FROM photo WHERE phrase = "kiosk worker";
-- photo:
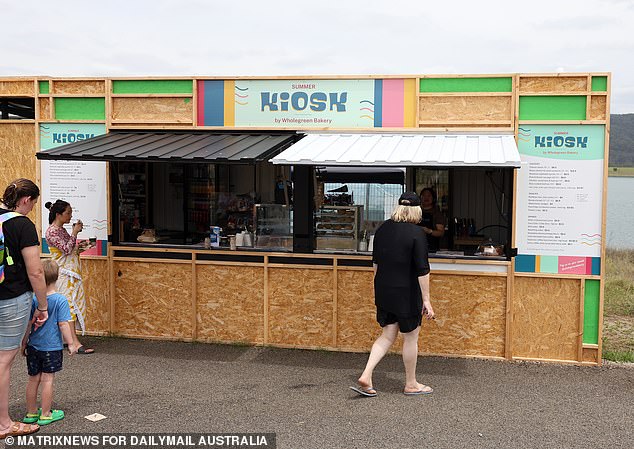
(433, 221)
(401, 291)
(23, 275)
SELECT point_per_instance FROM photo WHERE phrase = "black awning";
(175, 147)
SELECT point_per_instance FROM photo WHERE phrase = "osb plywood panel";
(553, 84)
(87, 87)
(17, 88)
(96, 286)
(45, 108)
(590, 355)
(545, 318)
(470, 316)
(17, 152)
(300, 307)
(356, 313)
(230, 303)
(153, 299)
(598, 107)
(447, 109)
(168, 109)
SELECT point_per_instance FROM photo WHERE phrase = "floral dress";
(65, 252)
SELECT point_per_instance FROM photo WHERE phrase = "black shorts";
(43, 361)
(405, 325)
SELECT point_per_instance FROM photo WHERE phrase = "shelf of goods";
(337, 227)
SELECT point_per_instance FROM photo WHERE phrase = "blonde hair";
(407, 214)
(51, 271)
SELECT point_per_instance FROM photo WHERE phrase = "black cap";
(409, 199)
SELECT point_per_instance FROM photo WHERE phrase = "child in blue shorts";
(43, 348)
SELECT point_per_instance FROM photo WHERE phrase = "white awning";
(451, 150)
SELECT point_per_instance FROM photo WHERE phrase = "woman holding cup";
(65, 251)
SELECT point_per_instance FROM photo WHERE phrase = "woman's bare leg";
(379, 349)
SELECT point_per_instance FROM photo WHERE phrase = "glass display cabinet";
(273, 227)
(337, 227)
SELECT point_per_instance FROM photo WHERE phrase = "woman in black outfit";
(401, 291)
(433, 221)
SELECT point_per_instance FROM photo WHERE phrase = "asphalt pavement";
(303, 397)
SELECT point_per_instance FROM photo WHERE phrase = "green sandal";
(56, 415)
(32, 418)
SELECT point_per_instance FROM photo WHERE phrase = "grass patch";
(619, 282)
(618, 307)
(621, 171)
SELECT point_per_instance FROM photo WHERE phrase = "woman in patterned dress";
(65, 251)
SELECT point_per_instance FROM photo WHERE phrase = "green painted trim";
(152, 87)
(555, 107)
(591, 312)
(466, 85)
(44, 87)
(599, 84)
(80, 109)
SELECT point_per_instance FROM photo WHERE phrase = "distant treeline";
(622, 140)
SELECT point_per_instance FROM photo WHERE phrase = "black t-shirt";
(19, 233)
(400, 252)
(430, 219)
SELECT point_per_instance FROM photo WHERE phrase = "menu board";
(560, 190)
(81, 183)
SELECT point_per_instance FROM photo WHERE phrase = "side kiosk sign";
(82, 184)
(559, 199)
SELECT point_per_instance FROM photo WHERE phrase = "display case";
(274, 227)
(338, 227)
(133, 204)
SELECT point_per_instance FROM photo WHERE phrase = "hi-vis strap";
(3, 248)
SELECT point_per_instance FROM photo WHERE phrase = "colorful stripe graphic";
(392, 113)
(394, 104)
(528, 263)
(378, 103)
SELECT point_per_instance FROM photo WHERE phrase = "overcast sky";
(323, 37)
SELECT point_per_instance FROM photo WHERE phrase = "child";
(43, 349)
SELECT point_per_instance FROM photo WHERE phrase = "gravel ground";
(303, 396)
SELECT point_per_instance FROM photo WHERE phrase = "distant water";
(620, 219)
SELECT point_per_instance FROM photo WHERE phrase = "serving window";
(199, 204)
(476, 204)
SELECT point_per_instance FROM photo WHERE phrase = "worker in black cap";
(401, 291)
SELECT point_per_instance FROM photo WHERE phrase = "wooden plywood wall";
(300, 307)
(17, 155)
(153, 299)
(356, 313)
(470, 316)
(553, 84)
(230, 303)
(17, 88)
(96, 286)
(78, 87)
(153, 109)
(545, 322)
(465, 110)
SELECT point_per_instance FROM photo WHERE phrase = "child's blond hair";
(51, 271)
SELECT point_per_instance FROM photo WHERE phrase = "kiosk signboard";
(559, 198)
(80, 183)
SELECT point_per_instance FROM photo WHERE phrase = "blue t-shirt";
(48, 337)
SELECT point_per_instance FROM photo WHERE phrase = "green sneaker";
(56, 415)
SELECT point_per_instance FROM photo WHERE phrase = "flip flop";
(56, 415)
(83, 350)
(18, 429)
(419, 392)
(368, 392)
